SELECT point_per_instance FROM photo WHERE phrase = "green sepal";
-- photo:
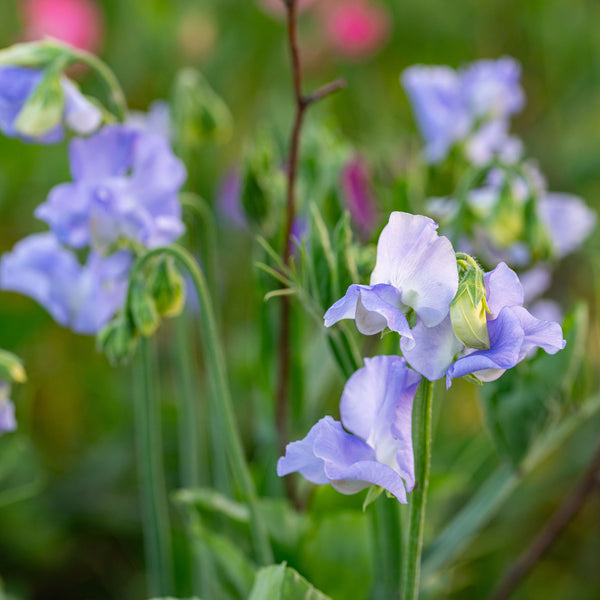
(143, 309)
(117, 340)
(372, 495)
(167, 287)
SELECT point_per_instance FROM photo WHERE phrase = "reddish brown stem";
(301, 103)
(551, 531)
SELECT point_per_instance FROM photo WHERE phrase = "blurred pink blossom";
(76, 22)
(355, 29)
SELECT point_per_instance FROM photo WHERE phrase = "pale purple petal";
(377, 406)
(506, 339)
(81, 115)
(541, 334)
(374, 307)
(350, 463)
(503, 288)
(491, 88)
(547, 310)
(442, 118)
(568, 219)
(300, 456)
(434, 349)
(412, 257)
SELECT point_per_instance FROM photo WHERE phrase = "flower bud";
(11, 367)
(199, 113)
(117, 340)
(44, 108)
(143, 309)
(468, 310)
(33, 54)
(167, 287)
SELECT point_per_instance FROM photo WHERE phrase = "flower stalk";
(411, 557)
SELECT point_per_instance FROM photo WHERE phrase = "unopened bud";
(11, 367)
(469, 307)
(117, 340)
(167, 287)
(44, 108)
(143, 309)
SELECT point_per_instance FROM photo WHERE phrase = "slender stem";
(551, 531)
(220, 397)
(116, 95)
(301, 103)
(155, 511)
(411, 558)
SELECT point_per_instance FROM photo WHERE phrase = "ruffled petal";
(376, 406)
(539, 334)
(374, 307)
(506, 339)
(81, 115)
(503, 288)
(412, 257)
(434, 349)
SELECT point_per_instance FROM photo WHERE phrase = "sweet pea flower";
(470, 106)
(17, 84)
(125, 191)
(415, 269)
(83, 298)
(513, 333)
(76, 22)
(372, 445)
(7, 409)
(355, 29)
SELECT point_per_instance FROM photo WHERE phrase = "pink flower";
(76, 22)
(277, 8)
(358, 195)
(355, 29)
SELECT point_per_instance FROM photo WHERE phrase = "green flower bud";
(117, 340)
(167, 287)
(469, 307)
(33, 54)
(11, 367)
(143, 309)
(199, 113)
(44, 108)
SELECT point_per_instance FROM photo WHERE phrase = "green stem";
(220, 397)
(116, 95)
(155, 512)
(411, 563)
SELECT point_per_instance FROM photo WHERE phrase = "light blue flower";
(81, 297)
(17, 84)
(513, 333)
(415, 270)
(471, 106)
(125, 191)
(376, 410)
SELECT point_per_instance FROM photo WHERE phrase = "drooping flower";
(415, 269)
(43, 121)
(372, 445)
(356, 186)
(76, 22)
(355, 29)
(81, 297)
(513, 333)
(125, 191)
(470, 106)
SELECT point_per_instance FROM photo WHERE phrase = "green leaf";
(280, 582)
(336, 555)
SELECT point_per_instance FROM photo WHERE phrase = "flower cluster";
(453, 320)
(123, 198)
(469, 107)
(506, 212)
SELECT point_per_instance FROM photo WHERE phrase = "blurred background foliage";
(69, 518)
